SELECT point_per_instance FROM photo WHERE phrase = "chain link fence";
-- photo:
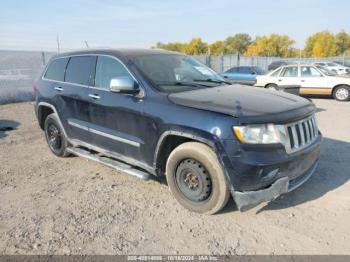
(225, 62)
(18, 69)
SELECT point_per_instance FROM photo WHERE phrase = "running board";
(125, 168)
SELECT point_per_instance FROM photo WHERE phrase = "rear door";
(116, 119)
(73, 99)
(312, 81)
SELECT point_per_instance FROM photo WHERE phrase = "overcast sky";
(34, 25)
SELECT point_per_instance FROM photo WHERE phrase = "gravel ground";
(50, 205)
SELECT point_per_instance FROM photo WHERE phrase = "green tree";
(321, 44)
(342, 40)
(176, 46)
(196, 47)
(217, 48)
(237, 43)
(272, 45)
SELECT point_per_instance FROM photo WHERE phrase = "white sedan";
(313, 80)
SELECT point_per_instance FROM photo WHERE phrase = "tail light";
(35, 87)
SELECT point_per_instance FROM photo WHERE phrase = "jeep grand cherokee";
(153, 112)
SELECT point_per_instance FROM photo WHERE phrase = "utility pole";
(86, 43)
(58, 44)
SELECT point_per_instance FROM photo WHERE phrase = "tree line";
(320, 44)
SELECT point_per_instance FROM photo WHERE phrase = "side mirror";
(253, 73)
(124, 85)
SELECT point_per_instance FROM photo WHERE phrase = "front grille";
(301, 133)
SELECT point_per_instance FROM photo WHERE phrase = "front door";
(115, 118)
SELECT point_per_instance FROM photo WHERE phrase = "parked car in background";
(243, 74)
(343, 63)
(276, 64)
(313, 80)
(335, 67)
(161, 113)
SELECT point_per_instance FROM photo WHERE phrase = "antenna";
(86, 43)
(58, 44)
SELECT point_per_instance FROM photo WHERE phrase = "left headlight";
(261, 134)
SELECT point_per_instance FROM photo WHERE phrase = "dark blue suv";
(153, 112)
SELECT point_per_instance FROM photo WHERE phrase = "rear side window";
(291, 71)
(80, 70)
(276, 73)
(55, 70)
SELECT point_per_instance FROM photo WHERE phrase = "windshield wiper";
(180, 83)
(213, 81)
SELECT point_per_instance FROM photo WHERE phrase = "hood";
(248, 104)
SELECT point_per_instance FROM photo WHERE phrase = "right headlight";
(261, 134)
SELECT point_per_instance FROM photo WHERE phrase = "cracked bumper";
(249, 199)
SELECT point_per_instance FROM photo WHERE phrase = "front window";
(309, 71)
(175, 73)
(108, 68)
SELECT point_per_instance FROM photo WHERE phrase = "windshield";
(326, 71)
(175, 73)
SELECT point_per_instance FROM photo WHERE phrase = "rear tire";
(342, 93)
(196, 179)
(55, 137)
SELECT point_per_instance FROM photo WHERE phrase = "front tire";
(342, 93)
(196, 179)
(55, 137)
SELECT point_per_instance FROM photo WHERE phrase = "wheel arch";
(265, 86)
(45, 109)
(335, 87)
(168, 141)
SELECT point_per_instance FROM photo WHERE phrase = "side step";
(125, 168)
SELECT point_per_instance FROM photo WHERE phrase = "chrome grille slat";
(301, 133)
(308, 138)
(295, 137)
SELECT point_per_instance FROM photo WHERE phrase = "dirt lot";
(50, 205)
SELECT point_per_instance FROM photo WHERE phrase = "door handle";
(93, 96)
(58, 88)
(303, 80)
(279, 80)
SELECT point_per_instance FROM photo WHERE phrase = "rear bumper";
(249, 199)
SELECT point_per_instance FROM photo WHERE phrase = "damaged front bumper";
(249, 199)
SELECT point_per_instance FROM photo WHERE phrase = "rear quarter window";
(80, 70)
(56, 68)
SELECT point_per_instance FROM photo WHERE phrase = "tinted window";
(308, 71)
(245, 70)
(80, 69)
(233, 70)
(106, 69)
(291, 71)
(55, 71)
(259, 70)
